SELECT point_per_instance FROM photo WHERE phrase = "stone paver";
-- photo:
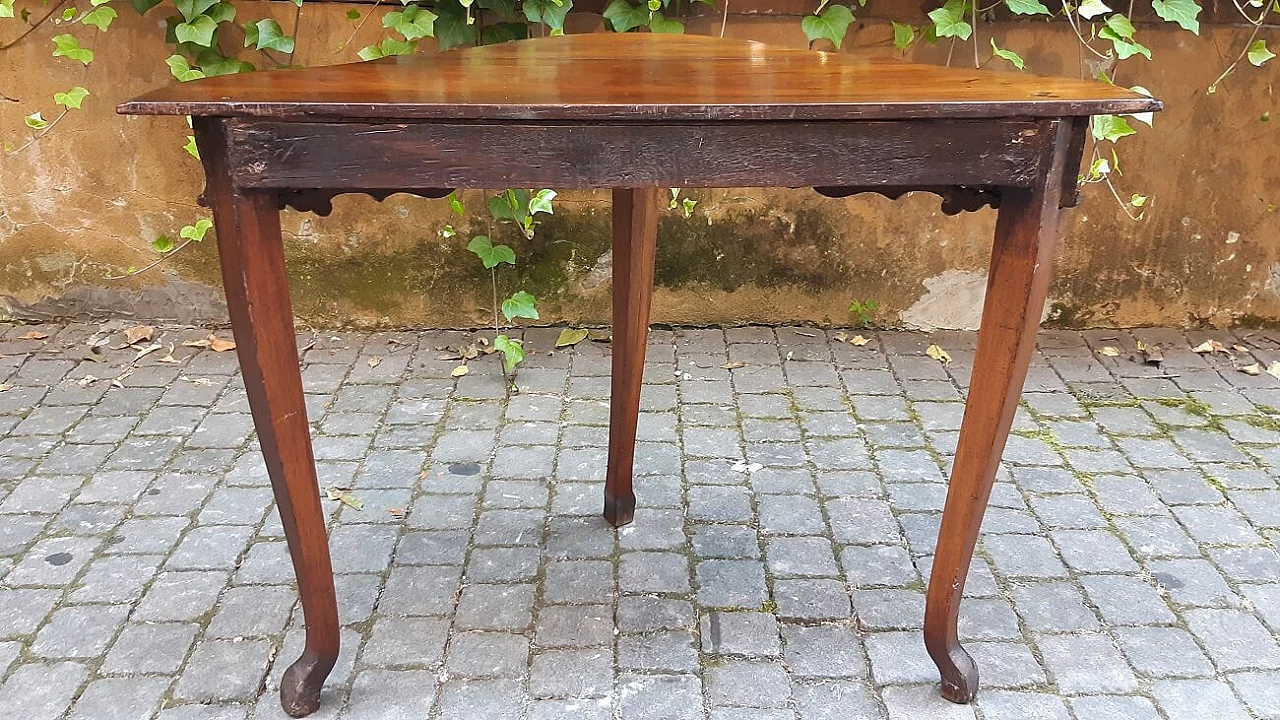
(1128, 566)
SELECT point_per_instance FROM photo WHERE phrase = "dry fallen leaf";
(1240, 348)
(858, 341)
(1274, 369)
(375, 361)
(169, 358)
(397, 513)
(570, 337)
(600, 336)
(938, 354)
(139, 333)
(1254, 369)
(1109, 351)
(841, 336)
(343, 496)
(143, 352)
(1151, 354)
(733, 365)
(1210, 347)
(34, 335)
(87, 380)
(790, 354)
(460, 371)
(217, 344)
(5, 386)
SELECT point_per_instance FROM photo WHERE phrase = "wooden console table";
(636, 113)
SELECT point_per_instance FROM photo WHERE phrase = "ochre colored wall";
(87, 200)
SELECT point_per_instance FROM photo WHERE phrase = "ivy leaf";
(387, 48)
(453, 30)
(903, 35)
(1138, 200)
(1011, 56)
(6, 8)
(1119, 31)
(623, 16)
(413, 22)
(353, 14)
(214, 63)
(72, 98)
(36, 121)
(221, 12)
(548, 12)
(832, 24)
(197, 32)
(503, 32)
(948, 20)
(182, 70)
(503, 10)
(1090, 9)
(1259, 54)
(1111, 128)
(512, 351)
(197, 231)
(660, 24)
(267, 35)
(191, 9)
(491, 255)
(510, 205)
(142, 6)
(191, 148)
(455, 204)
(99, 17)
(1183, 12)
(520, 305)
(162, 244)
(541, 203)
(1027, 7)
(67, 46)
(1145, 117)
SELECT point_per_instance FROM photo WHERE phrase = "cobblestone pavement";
(1128, 567)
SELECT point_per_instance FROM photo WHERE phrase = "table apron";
(352, 156)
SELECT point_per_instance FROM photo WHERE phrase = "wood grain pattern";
(1017, 284)
(797, 154)
(635, 234)
(636, 76)
(252, 256)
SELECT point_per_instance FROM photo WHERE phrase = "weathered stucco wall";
(86, 201)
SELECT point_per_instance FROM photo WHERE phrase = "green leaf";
(503, 32)
(221, 12)
(1111, 128)
(666, 26)
(570, 337)
(1090, 9)
(1259, 54)
(36, 121)
(541, 203)
(413, 22)
(1119, 31)
(191, 148)
(182, 70)
(948, 20)
(501, 10)
(903, 35)
(162, 244)
(99, 17)
(213, 63)
(142, 6)
(452, 28)
(547, 12)
(267, 35)
(197, 32)
(72, 98)
(832, 25)
(1183, 12)
(510, 205)
(1144, 117)
(197, 231)
(6, 8)
(1138, 200)
(512, 351)
(1011, 56)
(68, 14)
(387, 48)
(353, 14)
(455, 204)
(191, 9)
(623, 16)
(520, 305)
(1027, 7)
(67, 46)
(491, 255)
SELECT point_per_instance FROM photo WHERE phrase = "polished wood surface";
(253, 275)
(1017, 284)
(636, 76)
(635, 240)
(635, 113)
